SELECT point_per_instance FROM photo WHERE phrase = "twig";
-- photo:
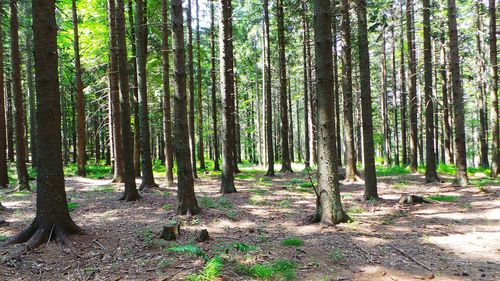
(411, 258)
(313, 186)
(50, 235)
(366, 253)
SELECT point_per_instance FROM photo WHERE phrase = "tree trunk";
(404, 120)
(52, 219)
(286, 165)
(185, 186)
(4, 177)
(227, 91)
(214, 88)
(268, 93)
(307, 138)
(114, 93)
(10, 121)
(290, 139)
(338, 133)
(395, 99)
(495, 161)
(385, 110)
(448, 149)
(31, 91)
(328, 207)
(366, 104)
(22, 172)
(201, 147)
(412, 67)
(430, 156)
(191, 113)
(345, 28)
(458, 96)
(80, 100)
(141, 42)
(167, 122)
(130, 193)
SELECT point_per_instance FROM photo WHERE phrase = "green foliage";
(167, 207)
(20, 194)
(257, 200)
(384, 171)
(244, 248)
(221, 203)
(3, 238)
(277, 270)
(285, 203)
(188, 249)
(72, 206)
(93, 171)
(444, 198)
(211, 271)
(353, 210)
(399, 184)
(146, 235)
(292, 241)
(336, 255)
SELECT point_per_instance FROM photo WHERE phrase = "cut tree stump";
(202, 236)
(412, 199)
(171, 231)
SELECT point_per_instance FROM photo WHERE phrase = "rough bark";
(4, 178)
(31, 91)
(307, 141)
(404, 120)
(52, 221)
(366, 104)
(385, 110)
(495, 143)
(167, 122)
(130, 193)
(191, 93)
(328, 207)
(430, 155)
(187, 203)
(395, 99)
(201, 147)
(227, 90)
(448, 149)
(338, 133)
(412, 86)
(9, 120)
(458, 96)
(268, 93)
(20, 145)
(141, 41)
(214, 88)
(80, 100)
(481, 94)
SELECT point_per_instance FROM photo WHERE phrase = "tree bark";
(366, 104)
(412, 86)
(458, 96)
(52, 219)
(338, 133)
(385, 110)
(404, 120)
(395, 99)
(268, 93)
(130, 193)
(430, 155)
(9, 120)
(481, 99)
(227, 90)
(214, 88)
(328, 207)
(80, 100)
(448, 149)
(31, 92)
(22, 172)
(191, 95)
(201, 147)
(141, 41)
(307, 138)
(495, 143)
(167, 122)
(4, 177)
(187, 204)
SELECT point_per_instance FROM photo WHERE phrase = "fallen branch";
(411, 258)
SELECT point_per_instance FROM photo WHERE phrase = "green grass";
(354, 210)
(167, 207)
(399, 185)
(384, 171)
(72, 206)
(277, 270)
(3, 238)
(94, 171)
(257, 200)
(105, 189)
(336, 255)
(188, 249)
(292, 241)
(221, 203)
(444, 198)
(285, 203)
(20, 194)
(212, 270)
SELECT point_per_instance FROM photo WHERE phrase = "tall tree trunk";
(52, 219)
(307, 138)
(201, 147)
(366, 104)
(338, 133)
(430, 156)
(412, 86)
(22, 172)
(114, 93)
(268, 93)
(351, 172)
(4, 177)
(187, 204)
(404, 120)
(214, 88)
(130, 193)
(458, 95)
(481, 100)
(290, 139)
(9, 120)
(495, 161)
(227, 91)
(448, 149)
(191, 93)
(395, 99)
(328, 205)
(286, 165)
(141, 41)
(31, 91)
(135, 90)
(80, 100)
(167, 122)
(385, 110)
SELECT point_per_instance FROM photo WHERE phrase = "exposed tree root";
(147, 186)
(129, 196)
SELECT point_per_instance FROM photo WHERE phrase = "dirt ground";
(458, 240)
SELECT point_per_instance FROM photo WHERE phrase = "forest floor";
(261, 233)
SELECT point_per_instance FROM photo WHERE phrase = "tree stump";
(412, 199)
(171, 231)
(202, 236)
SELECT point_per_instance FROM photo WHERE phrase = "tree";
(328, 205)
(286, 165)
(306, 66)
(395, 98)
(495, 161)
(201, 147)
(213, 88)
(268, 94)
(366, 104)
(430, 156)
(191, 113)
(114, 93)
(22, 171)
(404, 122)
(130, 193)
(345, 30)
(167, 123)
(458, 96)
(4, 178)
(141, 43)
(384, 105)
(412, 86)
(80, 100)
(226, 58)
(185, 185)
(29, 79)
(52, 220)
(448, 150)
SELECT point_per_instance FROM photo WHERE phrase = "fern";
(188, 249)
(244, 248)
(211, 271)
